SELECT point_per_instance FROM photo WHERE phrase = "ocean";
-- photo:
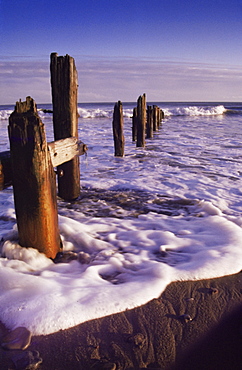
(166, 212)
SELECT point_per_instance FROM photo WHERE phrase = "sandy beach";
(193, 325)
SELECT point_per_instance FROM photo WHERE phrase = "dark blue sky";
(137, 39)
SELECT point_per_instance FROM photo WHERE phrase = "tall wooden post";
(65, 119)
(118, 135)
(134, 124)
(34, 181)
(141, 121)
(149, 129)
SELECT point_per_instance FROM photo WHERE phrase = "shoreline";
(192, 325)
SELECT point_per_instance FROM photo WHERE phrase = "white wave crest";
(5, 113)
(101, 113)
(44, 113)
(128, 112)
(195, 111)
(94, 113)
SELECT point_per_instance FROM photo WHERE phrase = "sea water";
(170, 211)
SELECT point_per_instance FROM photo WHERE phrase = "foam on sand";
(127, 263)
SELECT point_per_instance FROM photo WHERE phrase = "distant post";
(149, 129)
(159, 116)
(118, 134)
(134, 125)
(34, 181)
(141, 121)
(65, 120)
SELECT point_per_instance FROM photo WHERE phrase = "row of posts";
(145, 121)
(30, 167)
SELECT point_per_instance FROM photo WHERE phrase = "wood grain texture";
(34, 181)
(65, 119)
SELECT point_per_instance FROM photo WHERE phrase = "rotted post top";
(26, 106)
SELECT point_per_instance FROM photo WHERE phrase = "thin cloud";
(112, 79)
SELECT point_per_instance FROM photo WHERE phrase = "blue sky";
(172, 50)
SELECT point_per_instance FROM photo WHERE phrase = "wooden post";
(65, 119)
(155, 117)
(118, 136)
(159, 116)
(141, 121)
(34, 181)
(5, 170)
(149, 129)
(134, 125)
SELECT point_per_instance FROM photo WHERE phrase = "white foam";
(131, 261)
(101, 113)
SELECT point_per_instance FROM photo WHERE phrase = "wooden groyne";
(30, 164)
(145, 121)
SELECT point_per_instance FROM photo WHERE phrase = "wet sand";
(194, 325)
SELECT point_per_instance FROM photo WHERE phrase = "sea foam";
(131, 261)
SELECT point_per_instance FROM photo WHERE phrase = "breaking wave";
(107, 111)
(195, 111)
(102, 113)
(5, 113)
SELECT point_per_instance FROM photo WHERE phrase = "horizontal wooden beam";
(64, 150)
(61, 151)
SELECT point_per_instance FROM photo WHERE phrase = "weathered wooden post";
(34, 181)
(65, 120)
(134, 124)
(155, 118)
(118, 135)
(149, 128)
(162, 114)
(141, 121)
(159, 116)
